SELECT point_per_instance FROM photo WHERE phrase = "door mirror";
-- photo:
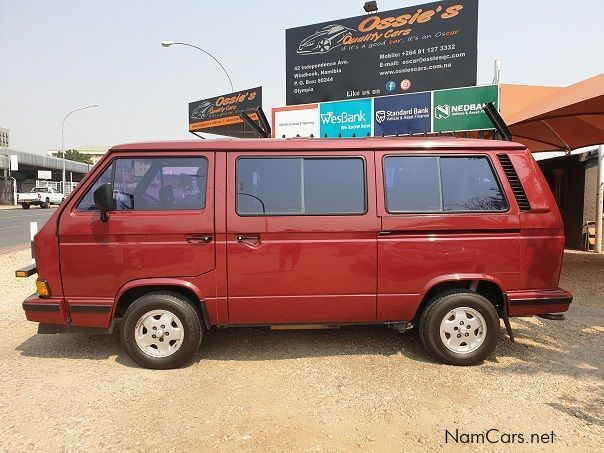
(103, 200)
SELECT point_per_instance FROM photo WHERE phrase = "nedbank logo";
(343, 118)
(442, 112)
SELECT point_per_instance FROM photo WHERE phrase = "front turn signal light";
(42, 288)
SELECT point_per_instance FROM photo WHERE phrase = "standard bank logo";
(343, 118)
(380, 116)
(442, 112)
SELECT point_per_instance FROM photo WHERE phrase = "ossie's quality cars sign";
(420, 48)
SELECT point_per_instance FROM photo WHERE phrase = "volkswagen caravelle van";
(447, 235)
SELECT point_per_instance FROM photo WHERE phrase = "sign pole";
(600, 199)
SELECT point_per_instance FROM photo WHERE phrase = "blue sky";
(59, 55)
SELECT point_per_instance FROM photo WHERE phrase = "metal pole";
(170, 43)
(63, 141)
(600, 199)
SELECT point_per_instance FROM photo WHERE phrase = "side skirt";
(60, 328)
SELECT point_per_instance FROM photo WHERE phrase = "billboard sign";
(462, 109)
(296, 121)
(209, 115)
(420, 48)
(345, 118)
(402, 114)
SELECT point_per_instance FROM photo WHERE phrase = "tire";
(459, 327)
(25, 205)
(46, 204)
(145, 315)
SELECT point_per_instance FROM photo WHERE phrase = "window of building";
(154, 184)
(441, 183)
(300, 186)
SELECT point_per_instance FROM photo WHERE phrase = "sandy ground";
(362, 388)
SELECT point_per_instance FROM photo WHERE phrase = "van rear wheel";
(161, 330)
(459, 327)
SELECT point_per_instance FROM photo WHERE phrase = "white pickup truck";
(40, 196)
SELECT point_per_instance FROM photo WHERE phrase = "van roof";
(331, 144)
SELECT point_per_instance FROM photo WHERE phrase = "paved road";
(14, 226)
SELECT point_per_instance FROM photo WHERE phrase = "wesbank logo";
(343, 118)
(352, 118)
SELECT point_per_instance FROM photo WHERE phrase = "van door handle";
(199, 239)
(251, 240)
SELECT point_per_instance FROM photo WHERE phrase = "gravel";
(358, 388)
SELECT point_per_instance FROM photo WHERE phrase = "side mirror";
(103, 200)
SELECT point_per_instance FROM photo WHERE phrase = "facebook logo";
(390, 86)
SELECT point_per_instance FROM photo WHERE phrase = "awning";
(567, 119)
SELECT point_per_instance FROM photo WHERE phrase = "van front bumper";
(44, 309)
(538, 302)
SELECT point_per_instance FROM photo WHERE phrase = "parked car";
(40, 196)
(445, 235)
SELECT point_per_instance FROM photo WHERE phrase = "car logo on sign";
(380, 116)
(442, 112)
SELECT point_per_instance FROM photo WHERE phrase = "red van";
(175, 238)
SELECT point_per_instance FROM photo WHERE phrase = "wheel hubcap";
(159, 333)
(463, 330)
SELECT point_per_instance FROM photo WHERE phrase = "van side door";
(301, 237)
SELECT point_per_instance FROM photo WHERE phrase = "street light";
(63, 141)
(370, 7)
(172, 43)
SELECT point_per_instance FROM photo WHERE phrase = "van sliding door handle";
(199, 239)
(248, 237)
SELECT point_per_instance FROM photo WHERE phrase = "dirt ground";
(361, 388)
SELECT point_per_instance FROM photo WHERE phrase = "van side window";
(160, 184)
(154, 184)
(412, 184)
(441, 183)
(300, 186)
(469, 184)
(87, 203)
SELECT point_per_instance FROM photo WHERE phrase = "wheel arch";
(485, 285)
(133, 290)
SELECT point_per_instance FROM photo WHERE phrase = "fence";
(57, 185)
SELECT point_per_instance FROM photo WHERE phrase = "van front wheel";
(161, 330)
(459, 327)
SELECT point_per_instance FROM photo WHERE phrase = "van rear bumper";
(538, 302)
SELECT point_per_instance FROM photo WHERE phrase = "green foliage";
(75, 155)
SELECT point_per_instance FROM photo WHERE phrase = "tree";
(75, 155)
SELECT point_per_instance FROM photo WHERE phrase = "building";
(4, 143)
(94, 152)
(573, 181)
(27, 176)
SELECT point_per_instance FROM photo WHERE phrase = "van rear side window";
(300, 186)
(441, 184)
